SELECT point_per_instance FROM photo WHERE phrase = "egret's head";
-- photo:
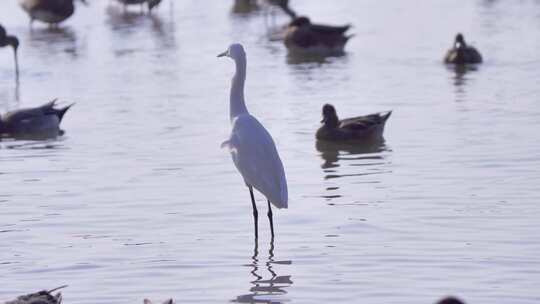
(330, 117)
(300, 21)
(235, 51)
(460, 41)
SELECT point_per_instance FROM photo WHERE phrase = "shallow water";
(138, 200)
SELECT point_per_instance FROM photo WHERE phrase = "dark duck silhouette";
(40, 297)
(461, 53)
(361, 128)
(450, 300)
(304, 37)
(49, 11)
(9, 40)
(33, 123)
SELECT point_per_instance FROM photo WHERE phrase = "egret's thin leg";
(255, 213)
(270, 217)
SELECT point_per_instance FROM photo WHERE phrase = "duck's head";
(459, 41)
(330, 118)
(300, 21)
(235, 51)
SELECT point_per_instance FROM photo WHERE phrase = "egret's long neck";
(237, 103)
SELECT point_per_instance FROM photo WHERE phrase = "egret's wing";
(255, 156)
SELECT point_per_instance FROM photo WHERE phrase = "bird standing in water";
(252, 147)
(12, 41)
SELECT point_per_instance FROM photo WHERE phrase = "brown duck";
(461, 53)
(304, 37)
(49, 11)
(361, 128)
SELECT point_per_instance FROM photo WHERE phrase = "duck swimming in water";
(361, 128)
(461, 53)
(33, 123)
(304, 37)
(49, 11)
(41, 297)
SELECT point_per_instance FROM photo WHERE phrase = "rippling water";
(138, 200)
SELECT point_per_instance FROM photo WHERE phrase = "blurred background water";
(138, 200)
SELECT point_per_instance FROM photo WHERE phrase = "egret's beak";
(226, 53)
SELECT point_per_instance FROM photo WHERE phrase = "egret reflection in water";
(266, 290)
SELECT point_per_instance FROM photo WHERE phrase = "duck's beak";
(226, 53)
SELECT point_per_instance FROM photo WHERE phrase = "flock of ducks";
(302, 37)
(250, 144)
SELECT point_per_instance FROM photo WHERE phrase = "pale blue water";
(138, 200)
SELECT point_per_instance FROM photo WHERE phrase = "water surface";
(137, 199)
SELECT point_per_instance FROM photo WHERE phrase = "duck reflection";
(460, 78)
(55, 40)
(366, 153)
(126, 23)
(266, 290)
(460, 71)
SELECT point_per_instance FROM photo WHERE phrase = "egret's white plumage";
(252, 147)
(254, 154)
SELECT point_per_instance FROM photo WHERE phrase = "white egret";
(252, 148)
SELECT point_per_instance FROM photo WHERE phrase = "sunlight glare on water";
(137, 200)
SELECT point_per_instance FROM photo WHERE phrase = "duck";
(461, 53)
(49, 11)
(361, 128)
(9, 40)
(151, 3)
(40, 297)
(304, 37)
(33, 123)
